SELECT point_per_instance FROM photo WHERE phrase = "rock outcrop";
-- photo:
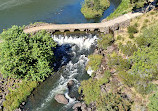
(60, 98)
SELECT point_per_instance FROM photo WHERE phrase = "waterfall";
(72, 52)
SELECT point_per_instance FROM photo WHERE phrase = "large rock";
(60, 98)
(70, 84)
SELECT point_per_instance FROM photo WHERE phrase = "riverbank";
(118, 86)
(94, 9)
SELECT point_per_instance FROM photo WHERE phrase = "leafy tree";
(25, 56)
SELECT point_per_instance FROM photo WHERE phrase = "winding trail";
(102, 27)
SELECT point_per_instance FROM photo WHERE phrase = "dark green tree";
(26, 56)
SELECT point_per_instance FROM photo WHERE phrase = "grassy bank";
(125, 7)
(19, 94)
(94, 8)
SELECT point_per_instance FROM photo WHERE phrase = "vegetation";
(116, 61)
(126, 6)
(94, 8)
(105, 41)
(17, 96)
(94, 62)
(22, 56)
(128, 49)
(91, 88)
(132, 30)
(133, 68)
(113, 102)
(26, 57)
(153, 105)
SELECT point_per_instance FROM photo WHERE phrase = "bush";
(141, 41)
(22, 56)
(114, 60)
(119, 37)
(113, 102)
(131, 36)
(128, 49)
(91, 88)
(94, 62)
(153, 105)
(132, 30)
(105, 41)
(17, 96)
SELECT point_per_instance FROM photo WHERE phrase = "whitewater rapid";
(78, 48)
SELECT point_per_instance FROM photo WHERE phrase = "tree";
(25, 56)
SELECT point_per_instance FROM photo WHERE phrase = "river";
(24, 12)
(72, 51)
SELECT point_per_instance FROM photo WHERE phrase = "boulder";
(60, 98)
(76, 105)
(70, 84)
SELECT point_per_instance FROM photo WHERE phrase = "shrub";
(113, 102)
(141, 41)
(146, 20)
(91, 88)
(153, 104)
(132, 29)
(131, 36)
(128, 49)
(119, 37)
(105, 41)
(94, 62)
(118, 62)
(22, 56)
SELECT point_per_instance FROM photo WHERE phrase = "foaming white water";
(71, 69)
(82, 42)
(11, 3)
(90, 71)
(71, 100)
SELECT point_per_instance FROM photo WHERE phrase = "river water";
(71, 53)
(24, 12)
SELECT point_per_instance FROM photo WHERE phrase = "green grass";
(18, 95)
(123, 8)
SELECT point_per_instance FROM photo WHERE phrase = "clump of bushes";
(132, 29)
(113, 102)
(94, 61)
(17, 96)
(128, 49)
(22, 56)
(91, 88)
(116, 61)
(105, 41)
(94, 8)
